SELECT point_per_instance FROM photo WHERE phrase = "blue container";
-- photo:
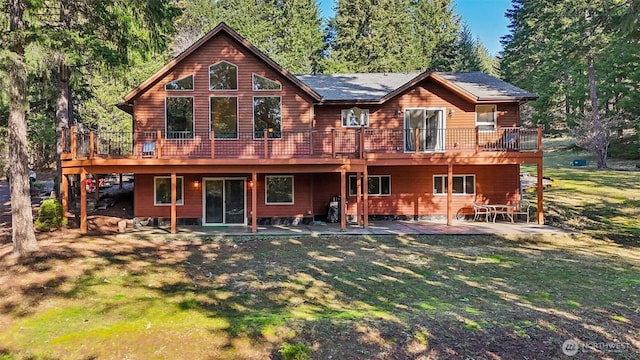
(579, 162)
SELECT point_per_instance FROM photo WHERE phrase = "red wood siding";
(149, 108)
(426, 94)
(192, 208)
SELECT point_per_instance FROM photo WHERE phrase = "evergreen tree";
(435, 26)
(576, 56)
(373, 36)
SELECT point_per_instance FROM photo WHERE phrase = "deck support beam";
(359, 197)
(64, 194)
(174, 199)
(343, 199)
(539, 192)
(365, 195)
(254, 202)
(449, 194)
(83, 201)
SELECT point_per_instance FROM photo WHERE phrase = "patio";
(433, 227)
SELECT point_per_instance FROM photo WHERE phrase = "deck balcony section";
(333, 143)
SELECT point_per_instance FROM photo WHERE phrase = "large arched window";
(223, 76)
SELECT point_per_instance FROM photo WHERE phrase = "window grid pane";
(267, 116)
(279, 189)
(224, 117)
(179, 117)
(223, 76)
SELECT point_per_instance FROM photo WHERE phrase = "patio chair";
(479, 211)
(523, 209)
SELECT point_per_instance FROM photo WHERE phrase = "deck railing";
(332, 143)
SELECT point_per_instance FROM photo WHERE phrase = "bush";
(298, 351)
(50, 216)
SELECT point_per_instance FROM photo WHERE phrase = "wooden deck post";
(359, 196)
(266, 143)
(450, 194)
(64, 194)
(333, 143)
(539, 138)
(343, 199)
(365, 215)
(72, 135)
(477, 139)
(158, 144)
(120, 180)
(361, 155)
(254, 202)
(539, 192)
(91, 144)
(416, 136)
(83, 202)
(174, 200)
(213, 144)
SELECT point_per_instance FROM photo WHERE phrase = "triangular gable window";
(223, 76)
(262, 83)
(185, 83)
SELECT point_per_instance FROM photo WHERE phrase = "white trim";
(204, 201)
(193, 116)
(209, 76)
(253, 116)
(494, 124)
(366, 182)
(193, 82)
(443, 117)
(253, 75)
(444, 193)
(155, 185)
(237, 117)
(293, 190)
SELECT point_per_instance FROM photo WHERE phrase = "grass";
(362, 296)
(604, 204)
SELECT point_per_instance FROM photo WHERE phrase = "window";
(486, 117)
(278, 190)
(377, 185)
(223, 76)
(355, 117)
(179, 117)
(262, 83)
(462, 184)
(224, 117)
(185, 83)
(162, 192)
(267, 115)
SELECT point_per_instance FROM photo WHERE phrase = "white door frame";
(439, 147)
(224, 198)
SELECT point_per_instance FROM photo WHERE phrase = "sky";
(485, 19)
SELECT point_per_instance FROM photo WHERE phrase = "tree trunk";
(601, 132)
(63, 114)
(24, 239)
(63, 91)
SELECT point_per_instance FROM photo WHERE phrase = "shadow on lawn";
(362, 297)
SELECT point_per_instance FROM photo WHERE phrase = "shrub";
(298, 351)
(50, 216)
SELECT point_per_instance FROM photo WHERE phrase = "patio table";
(501, 209)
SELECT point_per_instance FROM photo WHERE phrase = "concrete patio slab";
(375, 228)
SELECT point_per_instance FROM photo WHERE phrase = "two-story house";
(222, 135)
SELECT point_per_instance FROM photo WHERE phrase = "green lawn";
(351, 297)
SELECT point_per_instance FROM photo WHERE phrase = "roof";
(222, 28)
(354, 87)
(486, 87)
(378, 87)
